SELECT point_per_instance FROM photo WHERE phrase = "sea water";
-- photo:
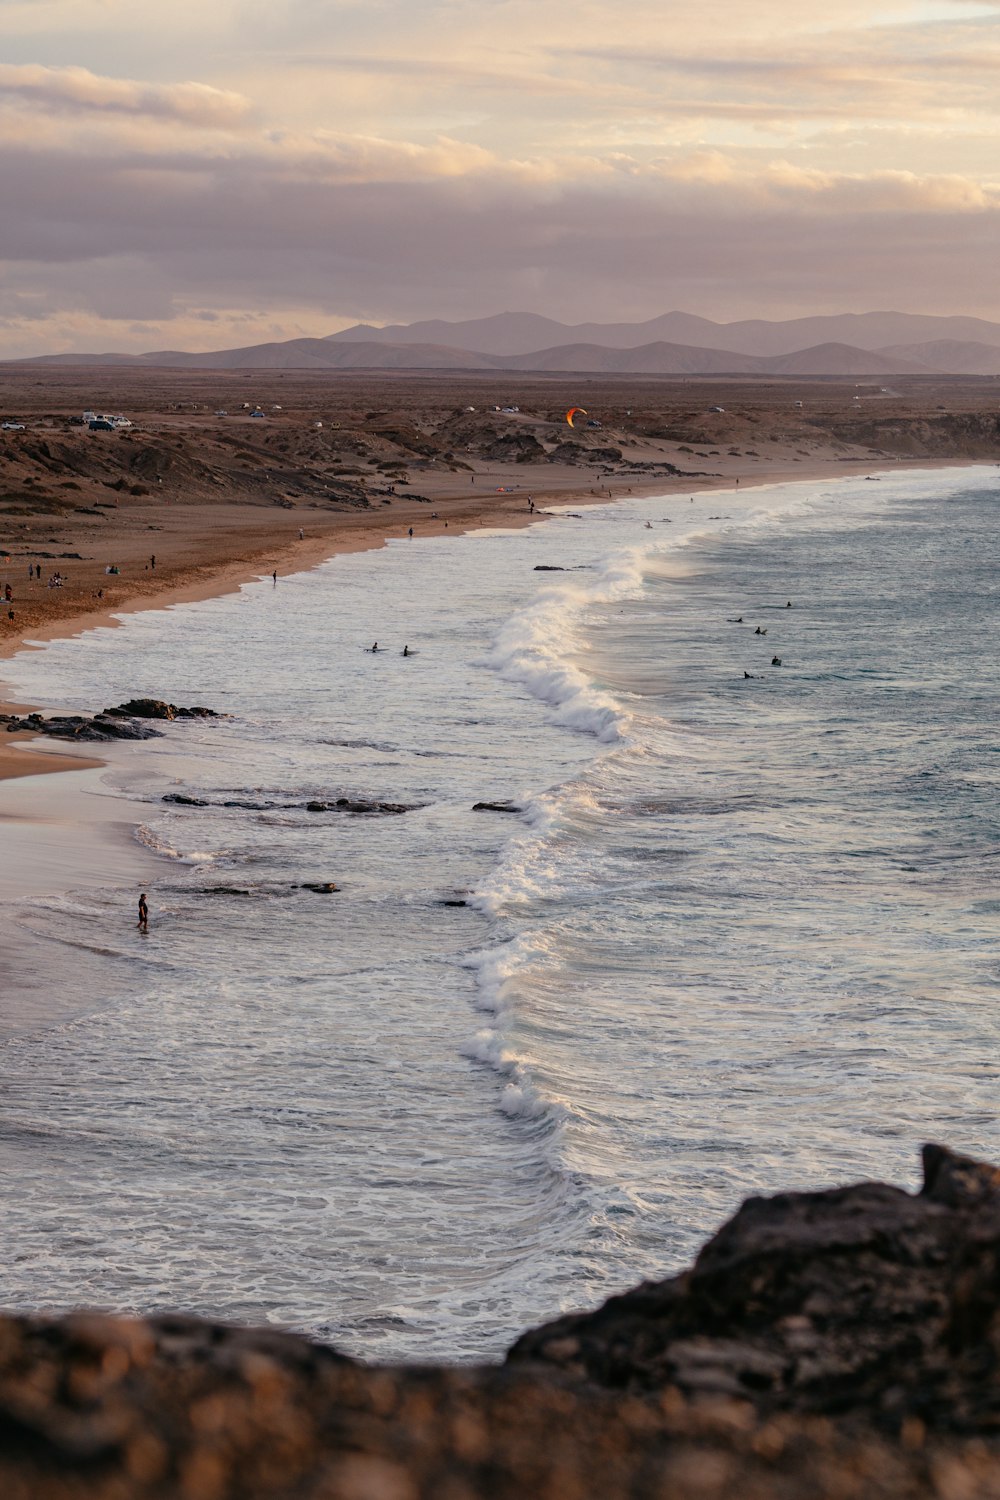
(735, 933)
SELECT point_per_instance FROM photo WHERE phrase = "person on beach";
(143, 923)
(411, 530)
(274, 577)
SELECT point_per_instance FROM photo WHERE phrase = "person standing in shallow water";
(143, 914)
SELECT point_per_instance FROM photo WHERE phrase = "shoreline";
(206, 580)
(25, 761)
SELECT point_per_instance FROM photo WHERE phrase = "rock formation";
(824, 1346)
(125, 722)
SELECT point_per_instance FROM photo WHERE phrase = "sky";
(195, 175)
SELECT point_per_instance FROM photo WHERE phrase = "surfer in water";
(375, 647)
(407, 651)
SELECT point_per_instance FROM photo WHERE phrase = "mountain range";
(677, 343)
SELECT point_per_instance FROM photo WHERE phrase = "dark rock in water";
(143, 708)
(184, 801)
(155, 708)
(362, 808)
(102, 728)
(322, 887)
(126, 722)
(77, 727)
(127, 729)
(452, 901)
(842, 1345)
(548, 568)
(504, 807)
(223, 890)
(379, 809)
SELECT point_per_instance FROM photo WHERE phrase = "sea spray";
(536, 645)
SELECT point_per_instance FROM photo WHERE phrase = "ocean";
(730, 926)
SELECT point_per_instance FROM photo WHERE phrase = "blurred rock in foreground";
(824, 1346)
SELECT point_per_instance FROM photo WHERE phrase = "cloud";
(398, 161)
(76, 89)
(334, 229)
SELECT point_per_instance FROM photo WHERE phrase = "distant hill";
(505, 333)
(654, 357)
(525, 333)
(661, 358)
(293, 354)
(955, 356)
(658, 358)
(845, 359)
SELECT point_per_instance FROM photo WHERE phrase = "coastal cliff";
(830, 1344)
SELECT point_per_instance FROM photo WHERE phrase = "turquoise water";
(738, 934)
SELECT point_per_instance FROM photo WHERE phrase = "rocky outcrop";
(862, 1300)
(359, 807)
(513, 447)
(80, 727)
(126, 722)
(570, 452)
(840, 1345)
(945, 435)
(363, 807)
(155, 708)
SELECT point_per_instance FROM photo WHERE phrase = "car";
(12, 426)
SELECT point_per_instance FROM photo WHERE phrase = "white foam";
(523, 1102)
(497, 970)
(534, 647)
(159, 845)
